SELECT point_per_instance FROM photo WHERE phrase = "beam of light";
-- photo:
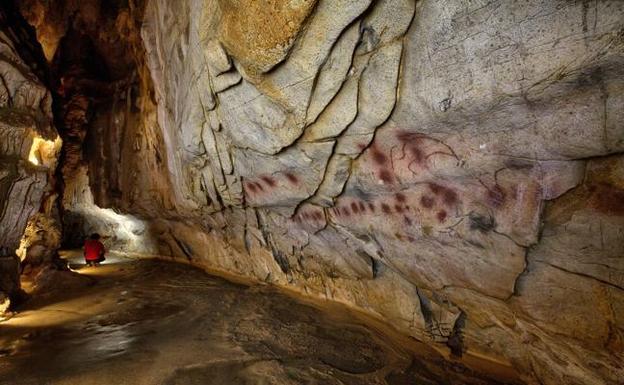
(120, 232)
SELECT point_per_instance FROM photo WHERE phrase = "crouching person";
(94, 250)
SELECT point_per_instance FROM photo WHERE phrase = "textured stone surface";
(399, 158)
(451, 167)
(28, 148)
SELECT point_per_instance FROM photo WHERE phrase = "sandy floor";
(152, 322)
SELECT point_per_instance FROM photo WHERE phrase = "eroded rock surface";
(453, 168)
(409, 159)
(29, 146)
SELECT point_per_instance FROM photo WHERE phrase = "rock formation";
(453, 168)
(28, 147)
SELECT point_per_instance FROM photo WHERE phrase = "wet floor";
(153, 322)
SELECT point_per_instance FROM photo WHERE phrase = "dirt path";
(153, 322)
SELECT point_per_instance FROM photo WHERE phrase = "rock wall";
(29, 146)
(452, 167)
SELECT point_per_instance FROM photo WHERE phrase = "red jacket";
(93, 250)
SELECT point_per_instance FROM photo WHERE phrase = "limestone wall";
(29, 149)
(451, 167)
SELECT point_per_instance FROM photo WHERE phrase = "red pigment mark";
(398, 208)
(258, 186)
(496, 196)
(361, 146)
(385, 176)
(362, 207)
(385, 208)
(435, 188)
(292, 178)
(371, 207)
(346, 211)
(607, 199)
(441, 215)
(250, 186)
(426, 201)
(400, 197)
(448, 196)
(318, 215)
(417, 154)
(306, 216)
(413, 141)
(379, 157)
(410, 137)
(410, 238)
(408, 221)
(268, 180)
(355, 208)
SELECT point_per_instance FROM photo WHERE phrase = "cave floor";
(134, 321)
